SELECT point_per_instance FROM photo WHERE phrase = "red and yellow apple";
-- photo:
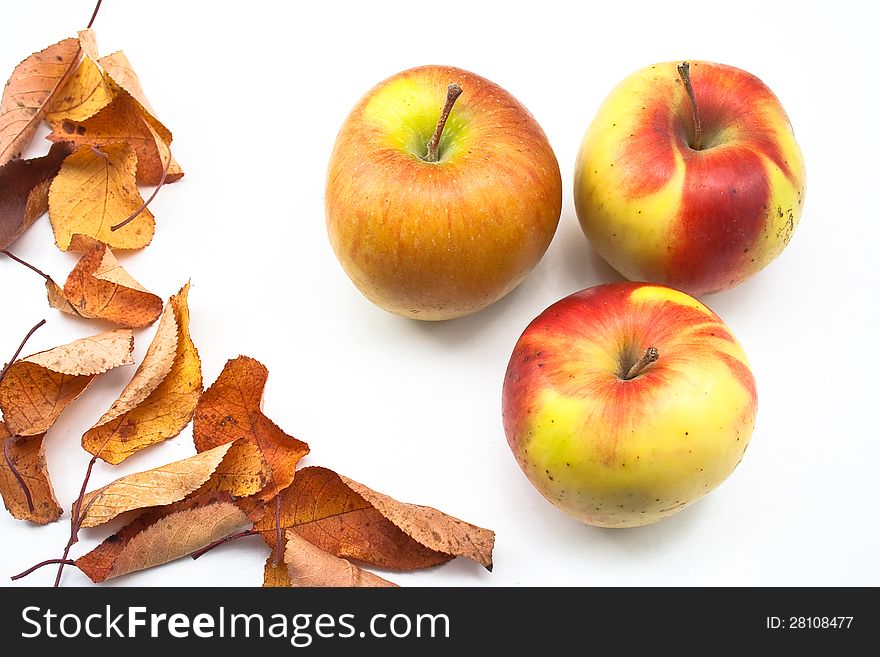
(698, 191)
(626, 402)
(442, 234)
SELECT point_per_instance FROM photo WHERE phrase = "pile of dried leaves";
(243, 479)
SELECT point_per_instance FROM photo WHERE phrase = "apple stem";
(453, 91)
(684, 71)
(651, 355)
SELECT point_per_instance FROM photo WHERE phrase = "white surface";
(255, 93)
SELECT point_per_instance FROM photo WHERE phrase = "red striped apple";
(442, 193)
(690, 176)
(626, 402)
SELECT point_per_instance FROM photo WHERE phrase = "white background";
(255, 93)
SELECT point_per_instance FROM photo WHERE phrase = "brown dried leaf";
(157, 487)
(160, 399)
(36, 389)
(24, 191)
(275, 575)
(231, 409)
(32, 85)
(123, 120)
(350, 520)
(28, 455)
(163, 535)
(310, 566)
(243, 471)
(94, 190)
(99, 288)
(86, 91)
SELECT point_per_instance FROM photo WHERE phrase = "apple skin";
(440, 240)
(698, 220)
(623, 453)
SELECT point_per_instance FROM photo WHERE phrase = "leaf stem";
(221, 541)
(75, 522)
(47, 562)
(94, 14)
(16, 474)
(131, 217)
(453, 91)
(279, 550)
(12, 256)
(20, 347)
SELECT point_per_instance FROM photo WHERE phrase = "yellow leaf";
(94, 190)
(86, 91)
(159, 401)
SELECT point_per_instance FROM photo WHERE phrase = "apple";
(442, 193)
(626, 402)
(690, 176)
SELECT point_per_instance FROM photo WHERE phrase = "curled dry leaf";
(127, 117)
(86, 91)
(157, 487)
(310, 566)
(94, 190)
(351, 520)
(159, 400)
(231, 409)
(99, 288)
(163, 535)
(32, 85)
(24, 191)
(36, 389)
(37, 501)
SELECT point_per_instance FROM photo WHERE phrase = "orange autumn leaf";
(157, 487)
(159, 400)
(25, 191)
(99, 288)
(350, 520)
(32, 85)
(310, 566)
(86, 91)
(94, 190)
(36, 389)
(275, 575)
(163, 535)
(35, 501)
(123, 121)
(242, 472)
(231, 409)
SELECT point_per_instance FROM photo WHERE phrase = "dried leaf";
(99, 288)
(24, 191)
(161, 536)
(28, 455)
(86, 91)
(32, 85)
(36, 389)
(310, 566)
(94, 190)
(157, 487)
(275, 575)
(159, 400)
(230, 409)
(350, 520)
(242, 472)
(123, 121)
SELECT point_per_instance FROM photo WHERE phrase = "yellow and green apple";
(626, 402)
(690, 176)
(442, 193)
